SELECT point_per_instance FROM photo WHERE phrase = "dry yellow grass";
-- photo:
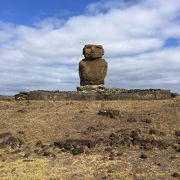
(49, 121)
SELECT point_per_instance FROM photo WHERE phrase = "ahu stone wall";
(108, 94)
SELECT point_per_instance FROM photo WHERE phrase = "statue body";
(92, 69)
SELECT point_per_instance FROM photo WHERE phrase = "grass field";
(142, 142)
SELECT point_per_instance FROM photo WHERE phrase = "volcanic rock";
(92, 69)
(177, 133)
(112, 113)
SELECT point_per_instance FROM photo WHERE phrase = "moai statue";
(92, 69)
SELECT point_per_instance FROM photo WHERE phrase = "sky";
(41, 43)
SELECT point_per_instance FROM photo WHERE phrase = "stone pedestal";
(91, 88)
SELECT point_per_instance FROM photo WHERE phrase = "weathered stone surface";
(177, 133)
(93, 51)
(21, 96)
(92, 72)
(6, 139)
(92, 69)
(75, 146)
(112, 113)
(107, 94)
(87, 88)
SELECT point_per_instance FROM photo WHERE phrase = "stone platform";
(107, 94)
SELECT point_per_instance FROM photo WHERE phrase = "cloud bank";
(136, 36)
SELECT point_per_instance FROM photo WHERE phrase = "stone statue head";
(91, 51)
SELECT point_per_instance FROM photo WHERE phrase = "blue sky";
(41, 42)
(172, 42)
(27, 11)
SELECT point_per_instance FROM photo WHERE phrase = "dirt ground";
(125, 140)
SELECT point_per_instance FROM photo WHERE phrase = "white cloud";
(46, 55)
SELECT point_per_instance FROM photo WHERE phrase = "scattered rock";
(81, 142)
(112, 113)
(108, 149)
(178, 141)
(48, 154)
(21, 96)
(113, 139)
(111, 156)
(153, 131)
(160, 144)
(38, 152)
(176, 147)
(131, 119)
(13, 142)
(3, 160)
(136, 137)
(177, 133)
(119, 153)
(75, 146)
(110, 171)
(147, 120)
(147, 146)
(175, 174)
(156, 132)
(143, 156)
(21, 110)
(91, 129)
(173, 157)
(21, 132)
(174, 95)
(158, 164)
(104, 177)
(99, 141)
(28, 154)
(78, 151)
(59, 144)
(39, 143)
(68, 146)
(127, 140)
(162, 133)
